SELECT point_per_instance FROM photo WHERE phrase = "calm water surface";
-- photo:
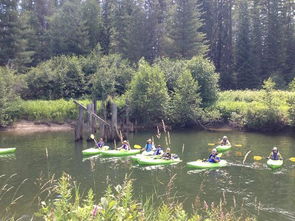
(252, 184)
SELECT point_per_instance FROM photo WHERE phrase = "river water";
(268, 194)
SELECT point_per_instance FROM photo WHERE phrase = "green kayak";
(274, 164)
(119, 153)
(7, 150)
(94, 151)
(223, 148)
(149, 161)
(199, 164)
(143, 154)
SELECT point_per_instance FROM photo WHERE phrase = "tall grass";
(119, 203)
(47, 110)
(256, 110)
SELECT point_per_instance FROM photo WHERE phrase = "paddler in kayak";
(125, 146)
(213, 158)
(158, 150)
(100, 143)
(275, 154)
(149, 145)
(224, 141)
(167, 154)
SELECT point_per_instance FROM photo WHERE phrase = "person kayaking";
(213, 158)
(125, 145)
(100, 143)
(167, 154)
(158, 150)
(149, 145)
(275, 155)
(224, 141)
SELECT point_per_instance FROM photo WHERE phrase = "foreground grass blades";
(118, 203)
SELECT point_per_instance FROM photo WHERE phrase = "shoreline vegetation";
(234, 110)
(62, 199)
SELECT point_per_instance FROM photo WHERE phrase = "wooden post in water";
(79, 125)
(90, 119)
(90, 123)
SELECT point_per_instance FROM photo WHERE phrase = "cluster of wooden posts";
(89, 122)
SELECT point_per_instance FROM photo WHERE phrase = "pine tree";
(91, 15)
(289, 39)
(9, 30)
(68, 33)
(155, 34)
(256, 40)
(107, 7)
(245, 74)
(185, 33)
(217, 16)
(274, 56)
(128, 24)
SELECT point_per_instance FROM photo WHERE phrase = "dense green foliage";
(248, 41)
(119, 203)
(8, 95)
(263, 110)
(148, 96)
(185, 101)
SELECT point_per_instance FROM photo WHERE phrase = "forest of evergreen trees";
(247, 40)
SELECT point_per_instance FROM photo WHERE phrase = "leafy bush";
(204, 73)
(172, 70)
(148, 97)
(291, 111)
(112, 77)
(8, 95)
(185, 101)
(59, 77)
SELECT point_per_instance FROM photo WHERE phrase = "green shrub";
(291, 110)
(204, 73)
(59, 77)
(185, 101)
(112, 77)
(148, 97)
(8, 95)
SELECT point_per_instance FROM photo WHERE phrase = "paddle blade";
(136, 146)
(219, 155)
(257, 158)
(238, 145)
(292, 159)
(92, 136)
(211, 144)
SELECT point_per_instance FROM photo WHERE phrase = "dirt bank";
(32, 127)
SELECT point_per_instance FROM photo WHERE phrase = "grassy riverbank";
(252, 110)
(257, 110)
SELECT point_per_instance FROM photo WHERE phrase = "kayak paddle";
(211, 144)
(238, 145)
(292, 159)
(257, 157)
(136, 146)
(93, 138)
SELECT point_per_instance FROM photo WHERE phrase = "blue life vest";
(158, 151)
(148, 147)
(275, 156)
(212, 158)
(100, 144)
(125, 146)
